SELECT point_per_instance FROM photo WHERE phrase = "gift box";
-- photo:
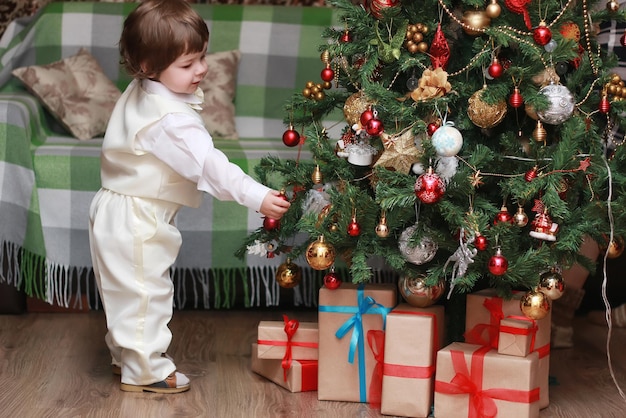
(412, 338)
(301, 376)
(485, 310)
(475, 381)
(287, 339)
(351, 320)
(517, 337)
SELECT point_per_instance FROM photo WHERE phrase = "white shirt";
(183, 143)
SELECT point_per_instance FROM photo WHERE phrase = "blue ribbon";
(365, 305)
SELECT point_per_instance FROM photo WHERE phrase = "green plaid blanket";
(47, 179)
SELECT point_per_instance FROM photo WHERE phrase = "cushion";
(218, 111)
(75, 90)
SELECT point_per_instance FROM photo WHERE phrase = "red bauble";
(429, 188)
(503, 216)
(531, 174)
(291, 137)
(374, 127)
(332, 280)
(271, 224)
(345, 37)
(498, 264)
(495, 69)
(327, 74)
(604, 105)
(376, 6)
(354, 229)
(622, 39)
(431, 128)
(366, 116)
(542, 35)
(481, 242)
(516, 99)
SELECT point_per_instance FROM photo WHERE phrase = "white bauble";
(447, 140)
(561, 104)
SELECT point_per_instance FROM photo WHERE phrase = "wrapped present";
(300, 377)
(289, 339)
(475, 381)
(485, 310)
(517, 336)
(351, 321)
(412, 338)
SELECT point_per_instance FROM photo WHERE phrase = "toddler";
(156, 157)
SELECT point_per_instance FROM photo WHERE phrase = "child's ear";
(146, 71)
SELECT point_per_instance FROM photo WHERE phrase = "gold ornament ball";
(320, 254)
(520, 218)
(354, 106)
(612, 5)
(485, 115)
(317, 176)
(288, 275)
(306, 92)
(535, 304)
(422, 47)
(382, 230)
(473, 20)
(493, 10)
(552, 284)
(616, 248)
(416, 293)
(539, 133)
(417, 37)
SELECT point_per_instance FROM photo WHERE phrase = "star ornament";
(476, 179)
(400, 154)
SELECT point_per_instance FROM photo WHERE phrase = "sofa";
(48, 175)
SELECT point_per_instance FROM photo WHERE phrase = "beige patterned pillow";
(75, 90)
(218, 111)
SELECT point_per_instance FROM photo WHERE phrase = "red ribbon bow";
(291, 326)
(475, 335)
(482, 402)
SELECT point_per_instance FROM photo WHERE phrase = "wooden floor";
(56, 365)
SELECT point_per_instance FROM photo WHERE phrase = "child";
(156, 157)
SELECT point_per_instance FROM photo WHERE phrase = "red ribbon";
(519, 7)
(532, 331)
(309, 375)
(475, 335)
(291, 326)
(376, 341)
(468, 382)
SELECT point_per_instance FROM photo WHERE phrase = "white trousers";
(133, 245)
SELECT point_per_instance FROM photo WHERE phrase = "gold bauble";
(485, 115)
(325, 56)
(520, 218)
(493, 10)
(539, 133)
(416, 293)
(288, 274)
(535, 304)
(552, 284)
(382, 230)
(320, 254)
(422, 47)
(612, 5)
(474, 20)
(317, 177)
(354, 106)
(616, 248)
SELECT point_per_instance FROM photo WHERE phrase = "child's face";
(184, 74)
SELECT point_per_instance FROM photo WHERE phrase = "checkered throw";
(47, 179)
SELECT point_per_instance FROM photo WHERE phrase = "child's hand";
(274, 206)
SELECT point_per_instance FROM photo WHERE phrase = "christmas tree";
(476, 146)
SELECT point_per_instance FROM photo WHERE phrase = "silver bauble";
(416, 293)
(422, 253)
(561, 104)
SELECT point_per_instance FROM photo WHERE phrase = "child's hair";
(156, 33)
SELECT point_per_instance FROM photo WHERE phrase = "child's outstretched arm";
(273, 205)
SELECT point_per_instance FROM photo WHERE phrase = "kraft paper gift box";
(484, 310)
(475, 381)
(287, 338)
(517, 337)
(300, 376)
(412, 338)
(351, 321)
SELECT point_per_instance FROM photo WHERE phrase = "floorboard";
(57, 365)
